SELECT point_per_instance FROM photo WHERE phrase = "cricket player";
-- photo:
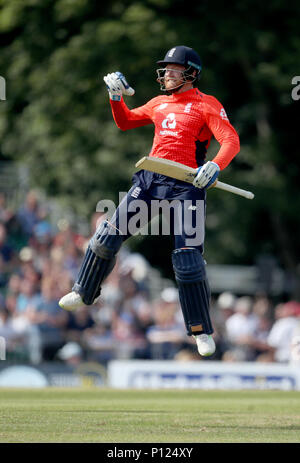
(185, 119)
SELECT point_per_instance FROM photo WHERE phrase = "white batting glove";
(207, 174)
(117, 86)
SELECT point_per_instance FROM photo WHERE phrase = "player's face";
(173, 76)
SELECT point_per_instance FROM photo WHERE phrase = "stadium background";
(61, 153)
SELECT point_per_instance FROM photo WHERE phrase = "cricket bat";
(185, 173)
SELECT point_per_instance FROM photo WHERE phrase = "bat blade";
(166, 167)
(184, 173)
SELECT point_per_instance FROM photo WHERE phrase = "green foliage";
(58, 121)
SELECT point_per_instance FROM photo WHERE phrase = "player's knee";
(106, 241)
(188, 265)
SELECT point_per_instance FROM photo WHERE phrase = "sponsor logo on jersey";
(169, 122)
(168, 132)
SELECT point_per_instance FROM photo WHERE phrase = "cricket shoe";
(72, 301)
(206, 344)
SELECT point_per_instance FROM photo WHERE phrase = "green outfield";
(104, 415)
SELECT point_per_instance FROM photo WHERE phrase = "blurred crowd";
(38, 265)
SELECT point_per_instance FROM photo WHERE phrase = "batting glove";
(207, 175)
(117, 86)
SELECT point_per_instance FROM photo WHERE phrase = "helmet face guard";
(187, 75)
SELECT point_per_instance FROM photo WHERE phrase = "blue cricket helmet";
(185, 56)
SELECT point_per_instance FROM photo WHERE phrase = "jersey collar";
(187, 94)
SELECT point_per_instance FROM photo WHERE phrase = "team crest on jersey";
(188, 107)
(136, 192)
(223, 114)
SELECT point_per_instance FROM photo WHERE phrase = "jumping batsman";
(185, 120)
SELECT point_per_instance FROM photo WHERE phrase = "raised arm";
(124, 117)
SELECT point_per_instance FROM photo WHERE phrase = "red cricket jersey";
(184, 124)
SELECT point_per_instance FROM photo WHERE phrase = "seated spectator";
(79, 321)
(7, 257)
(27, 265)
(5, 213)
(71, 354)
(28, 295)
(226, 304)
(295, 349)
(221, 310)
(66, 235)
(29, 213)
(282, 332)
(253, 345)
(72, 259)
(100, 345)
(49, 318)
(129, 340)
(241, 328)
(167, 335)
(133, 303)
(14, 339)
(14, 283)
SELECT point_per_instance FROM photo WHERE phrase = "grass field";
(158, 416)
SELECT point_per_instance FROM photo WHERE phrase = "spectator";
(7, 257)
(100, 344)
(129, 340)
(222, 310)
(295, 349)
(226, 304)
(241, 328)
(28, 295)
(133, 304)
(14, 283)
(14, 339)
(49, 318)
(167, 335)
(78, 322)
(29, 214)
(5, 213)
(71, 354)
(282, 332)
(27, 264)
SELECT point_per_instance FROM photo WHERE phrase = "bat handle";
(234, 190)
